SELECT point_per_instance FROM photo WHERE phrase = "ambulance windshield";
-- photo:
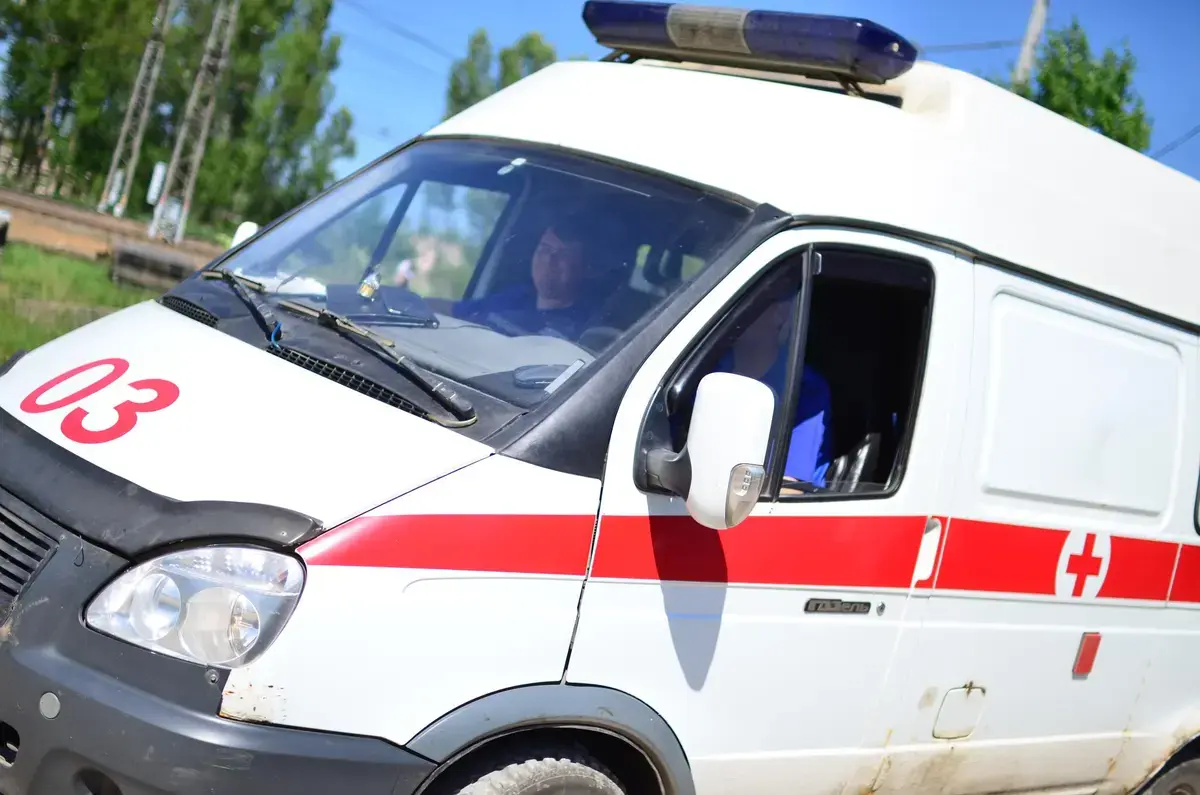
(507, 267)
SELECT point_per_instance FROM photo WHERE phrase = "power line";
(399, 30)
(387, 57)
(1178, 142)
(981, 45)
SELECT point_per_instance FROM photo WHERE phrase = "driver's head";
(557, 267)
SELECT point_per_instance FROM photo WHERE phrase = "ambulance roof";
(960, 159)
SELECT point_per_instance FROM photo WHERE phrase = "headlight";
(217, 606)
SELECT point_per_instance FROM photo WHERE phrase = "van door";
(1049, 598)
(766, 646)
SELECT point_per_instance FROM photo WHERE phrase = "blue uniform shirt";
(808, 448)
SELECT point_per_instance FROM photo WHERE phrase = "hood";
(170, 406)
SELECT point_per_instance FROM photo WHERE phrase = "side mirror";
(720, 471)
(245, 231)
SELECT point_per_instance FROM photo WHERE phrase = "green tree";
(1095, 92)
(275, 155)
(71, 65)
(479, 74)
(117, 36)
(49, 44)
(475, 77)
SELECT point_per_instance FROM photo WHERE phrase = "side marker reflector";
(1085, 658)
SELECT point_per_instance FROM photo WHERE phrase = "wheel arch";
(539, 709)
(1185, 747)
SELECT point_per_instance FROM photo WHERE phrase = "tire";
(1182, 779)
(556, 772)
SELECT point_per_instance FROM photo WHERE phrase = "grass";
(44, 295)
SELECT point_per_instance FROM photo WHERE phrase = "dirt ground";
(82, 233)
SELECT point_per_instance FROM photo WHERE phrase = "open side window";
(842, 350)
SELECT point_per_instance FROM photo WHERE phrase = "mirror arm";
(669, 470)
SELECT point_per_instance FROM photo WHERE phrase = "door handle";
(931, 541)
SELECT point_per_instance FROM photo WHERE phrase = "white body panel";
(246, 426)
(1075, 421)
(786, 697)
(383, 650)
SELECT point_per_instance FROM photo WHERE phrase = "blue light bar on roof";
(811, 44)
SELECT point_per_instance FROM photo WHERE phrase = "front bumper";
(133, 723)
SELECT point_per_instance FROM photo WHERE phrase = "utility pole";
(1033, 32)
(190, 141)
(125, 156)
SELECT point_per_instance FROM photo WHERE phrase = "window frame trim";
(777, 453)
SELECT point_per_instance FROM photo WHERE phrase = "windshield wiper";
(384, 348)
(260, 309)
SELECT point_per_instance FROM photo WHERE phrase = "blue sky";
(396, 87)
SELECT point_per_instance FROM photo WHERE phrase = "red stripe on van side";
(1140, 569)
(827, 551)
(488, 542)
(999, 558)
(1186, 587)
(823, 551)
(1004, 558)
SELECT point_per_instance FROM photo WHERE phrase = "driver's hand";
(795, 484)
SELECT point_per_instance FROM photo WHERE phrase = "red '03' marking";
(73, 424)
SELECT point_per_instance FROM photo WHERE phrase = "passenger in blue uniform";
(552, 302)
(761, 353)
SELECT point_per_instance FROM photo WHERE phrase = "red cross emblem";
(1082, 565)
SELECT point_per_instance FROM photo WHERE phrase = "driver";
(553, 301)
(761, 353)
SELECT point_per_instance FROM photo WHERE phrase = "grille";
(189, 309)
(348, 378)
(23, 550)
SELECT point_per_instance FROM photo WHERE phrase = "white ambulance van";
(757, 410)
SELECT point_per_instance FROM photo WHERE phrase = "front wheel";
(554, 773)
(1182, 779)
